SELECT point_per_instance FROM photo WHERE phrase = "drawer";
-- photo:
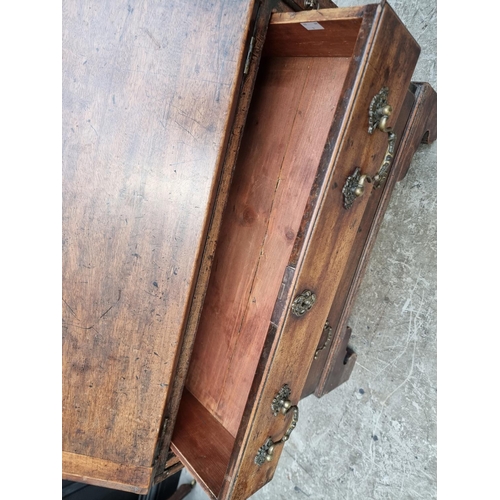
(286, 236)
(212, 201)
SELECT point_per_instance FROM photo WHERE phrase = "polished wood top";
(149, 89)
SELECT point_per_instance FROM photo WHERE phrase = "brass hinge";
(249, 56)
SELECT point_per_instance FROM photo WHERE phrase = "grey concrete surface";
(375, 436)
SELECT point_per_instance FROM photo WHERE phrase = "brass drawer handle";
(378, 114)
(281, 404)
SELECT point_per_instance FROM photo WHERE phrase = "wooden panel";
(293, 107)
(238, 252)
(420, 124)
(325, 247)
(105, 473)
(312, 121)
(203, 445)
(148, 94)
(336, 39)
(343, 290)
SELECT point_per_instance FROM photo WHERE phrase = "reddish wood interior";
(292, 111)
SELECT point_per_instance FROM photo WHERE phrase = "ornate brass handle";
(329, 331)
(281, 404)
(378, 114)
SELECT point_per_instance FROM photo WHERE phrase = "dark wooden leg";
(343, 364)
(421, 127)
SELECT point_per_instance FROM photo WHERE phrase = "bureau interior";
(300, 81)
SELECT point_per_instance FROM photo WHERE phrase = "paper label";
(312, 26)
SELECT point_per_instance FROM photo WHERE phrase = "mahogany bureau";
(226, 166)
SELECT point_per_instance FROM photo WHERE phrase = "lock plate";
(303, 303)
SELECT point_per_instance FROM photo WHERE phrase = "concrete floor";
(375, 436)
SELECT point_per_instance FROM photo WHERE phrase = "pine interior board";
(202, 443)
(294, 103)
(329, 33)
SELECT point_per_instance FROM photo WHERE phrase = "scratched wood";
(106, 473)
(149, 91)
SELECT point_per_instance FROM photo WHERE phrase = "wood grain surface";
(202, 443)
(329, 358)
(149, 92)
(105, 473)
(334, 37)
(417, 124)
(257, 32)
(327, 241)
(284, 138)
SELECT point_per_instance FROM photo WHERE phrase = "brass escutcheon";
(303, 303)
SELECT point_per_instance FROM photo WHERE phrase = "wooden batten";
(318, 33)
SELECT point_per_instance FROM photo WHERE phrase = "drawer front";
(333, 352)
(317, 264)
(416, 124)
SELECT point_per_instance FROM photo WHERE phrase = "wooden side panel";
(149, 92)
(258, 34)
(325, 248)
